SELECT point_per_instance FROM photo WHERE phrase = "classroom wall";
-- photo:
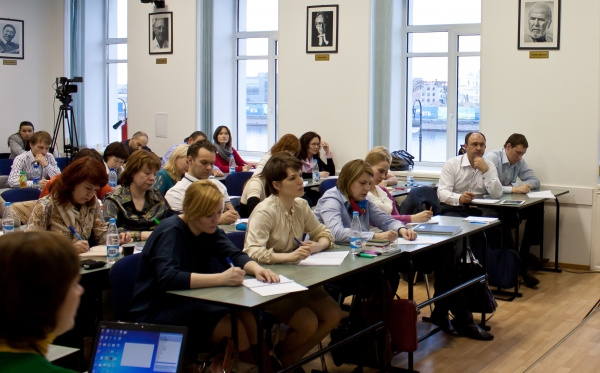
(26, 92)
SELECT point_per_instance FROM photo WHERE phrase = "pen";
(156, 221)
(230, 262)
(297, 241)
(478, 222)
(75, 233)
(365, 255)
(431, 208)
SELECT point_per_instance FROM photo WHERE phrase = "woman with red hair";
(72, 203)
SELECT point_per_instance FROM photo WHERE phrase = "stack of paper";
(420, 240)
(265, 289)
(484, 201)
(243, 220)
(479, 219)
(328, 258)
(541, 194)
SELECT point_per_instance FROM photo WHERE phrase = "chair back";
(5, 166)
(235, 182)
(326, 185)
(21, 194)
(122, 279)
(237, 238)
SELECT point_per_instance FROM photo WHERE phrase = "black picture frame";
(534, 31)
(12, 47)
(155, 46)
(329, 42)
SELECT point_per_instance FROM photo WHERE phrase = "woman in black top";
(177, 256)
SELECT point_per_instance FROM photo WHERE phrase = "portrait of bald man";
(539, 23)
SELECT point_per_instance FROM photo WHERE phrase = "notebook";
(127, 347)
(437, 229)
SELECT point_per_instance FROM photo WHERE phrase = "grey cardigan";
(16, 145)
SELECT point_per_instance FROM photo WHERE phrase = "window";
(116, 66)
(257, 26)
(441, 55)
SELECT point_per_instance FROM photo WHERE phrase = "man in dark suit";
(139, 140)
(323, 36)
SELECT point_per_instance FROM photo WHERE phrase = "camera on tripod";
(66, 119)
(64, 88)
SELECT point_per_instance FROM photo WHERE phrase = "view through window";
(116, 66)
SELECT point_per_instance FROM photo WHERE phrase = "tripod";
(67, 119)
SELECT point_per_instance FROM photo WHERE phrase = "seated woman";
(310, 146)
(175, 168)
(45, 266)
(72, 203)
(177, 257)
(389, 179)
(380, 197)
(19, 142)
(134, 203)
(287, 143)
(114, 156)
(222, 140)
(272, 227)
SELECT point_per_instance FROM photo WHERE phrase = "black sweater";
(329, 167)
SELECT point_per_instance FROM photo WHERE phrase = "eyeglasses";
(315, 144)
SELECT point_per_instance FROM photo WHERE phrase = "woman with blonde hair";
(389, 179)
(174, 170)
(177, 257)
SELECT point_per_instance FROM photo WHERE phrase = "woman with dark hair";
(39, 297)
(287, 143)
(19, 142)
(114, 157)
(310, 146)
(222, 140)
(137, 207)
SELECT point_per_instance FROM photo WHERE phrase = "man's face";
(139, 143)
(160, 30)
(514, 154)
(192, 141)
(8, 34)
(320, 24)
(539, 20)
(476, 146)
(26, 132)
(201, 167)
(40, 148)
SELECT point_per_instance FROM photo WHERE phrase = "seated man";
(201, 159)
(510, 164)
(40, 143)
(139, 140)
(19, 142)
(194, 137)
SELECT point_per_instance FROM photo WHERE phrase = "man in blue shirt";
(516, 177)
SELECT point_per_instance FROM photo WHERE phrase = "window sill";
(421, 173)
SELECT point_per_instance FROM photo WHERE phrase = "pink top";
(403, 218)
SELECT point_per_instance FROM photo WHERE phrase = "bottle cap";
(112, 169)
(354, 213)
(112, 221)
(6, 204)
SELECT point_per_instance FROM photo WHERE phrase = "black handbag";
(503, 267)
(401, 160)
(479, 297)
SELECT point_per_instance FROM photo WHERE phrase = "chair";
(122, 278)
(5, 166)
(326, 185)
(235, 182)
(21, 194)
(4, 155)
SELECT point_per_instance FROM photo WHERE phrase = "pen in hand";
(299, 243)
(230, 262)
(75, 233)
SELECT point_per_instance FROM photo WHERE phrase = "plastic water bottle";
(315, 172)
(112, 242)
(356, 238)
(35, 176)
(410, 177)
(8, 221)
(231, 165)
(112, 178)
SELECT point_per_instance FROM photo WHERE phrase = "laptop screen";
(128, 348)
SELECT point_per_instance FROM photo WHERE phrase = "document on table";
(541, 194)
(479, 219)
(285, 286)
(305, 183)
(240, 221)
(94, 251)
(420, 240)
(484, 201)
(327, 258)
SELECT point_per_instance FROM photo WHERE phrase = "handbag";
(401, 321)
(401, 160)
(503, 267)
(223, 358)
(479, 297)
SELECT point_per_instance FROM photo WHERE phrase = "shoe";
(468, 328)
(442, 320)
(530, 280)
(535, 262)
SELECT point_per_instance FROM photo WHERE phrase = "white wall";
(26, 92)
(555, 103)
(330, 98)
(169, 88)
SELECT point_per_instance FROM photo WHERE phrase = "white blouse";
(381, 200)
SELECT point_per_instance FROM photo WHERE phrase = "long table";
(243, 298)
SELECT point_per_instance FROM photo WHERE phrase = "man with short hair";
(201, 159)
(539, 19)
(40, 143)
(6, 45)
(510, 165)
(139, 140)
(160, 29)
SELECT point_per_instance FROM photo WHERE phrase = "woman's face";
(379, 171)
(361, 187)
(208, 224)
(114, 162)
(314, 146)
(26, 132)
(292, 186)
(83, 192)
(181, 164)
(65, 317)
(223, 136)
(145, 178)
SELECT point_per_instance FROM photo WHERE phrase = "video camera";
(64, 88)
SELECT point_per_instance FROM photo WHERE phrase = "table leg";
(259, 340)
(557, 226)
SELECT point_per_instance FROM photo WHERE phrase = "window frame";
(108, 42)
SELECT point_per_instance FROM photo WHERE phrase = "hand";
(43, 183)
(315, 247)
(41, 159)
(323, 174)
(466, 197)
(82, 246)
(124, 238)
(421, 217)
(300, 253)
(387, 236)
(218, 173)
(266, 275)
(522, 189)
(246, 167)
(480, 164)
(229, 217)
(233, 277)
(325, 147)
(383, 183)
(408, 234)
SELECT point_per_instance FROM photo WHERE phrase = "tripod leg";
(59, 120)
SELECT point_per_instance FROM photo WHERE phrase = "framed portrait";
(539, 24)
(322, 29)
(12, 39)
(160, 34)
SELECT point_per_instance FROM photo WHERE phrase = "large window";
(116, 66)
(442, 76)
(256, 36)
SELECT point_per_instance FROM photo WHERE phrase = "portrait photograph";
(539, 24)
(322, 29)
(12, 39)
(160, 33)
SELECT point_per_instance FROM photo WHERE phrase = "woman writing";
(223, 140)
(274, 228)
(177, 256)
(174, 170)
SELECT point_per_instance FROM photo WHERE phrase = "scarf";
(224, 152)
(361, 206)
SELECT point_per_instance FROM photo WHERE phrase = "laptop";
(128, 347)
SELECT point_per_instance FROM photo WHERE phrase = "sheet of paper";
(479, 219)
(421, 240)
(243, 220)
(288, 287)
(541, 194)
(254, 283)
(484, 201)
(94, 251)
(305, 183)
(328, 258)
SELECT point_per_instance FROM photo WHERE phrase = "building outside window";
(116, 66)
